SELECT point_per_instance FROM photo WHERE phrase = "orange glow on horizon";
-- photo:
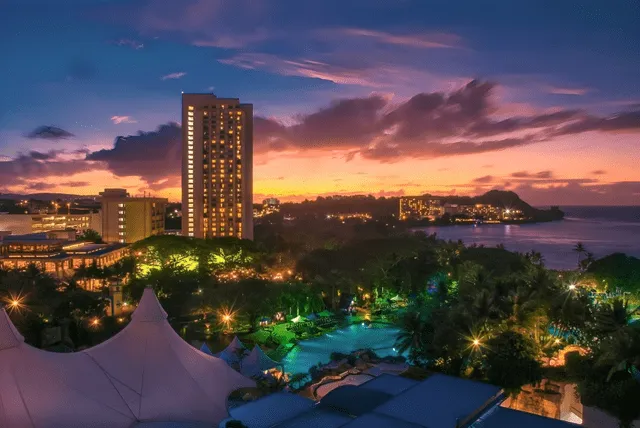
(295, 176)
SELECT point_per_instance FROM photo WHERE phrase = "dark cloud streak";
(49, 133)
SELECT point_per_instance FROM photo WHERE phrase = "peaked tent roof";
(204, 348)
(45, 389)
(297, 319)
(160, 376)
(230, 354)
(257, 362)
(235, 345)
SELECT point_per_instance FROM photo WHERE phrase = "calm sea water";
(602, 230)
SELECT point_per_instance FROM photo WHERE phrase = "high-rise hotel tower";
(217, 167)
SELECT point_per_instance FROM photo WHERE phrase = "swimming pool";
(308, 353)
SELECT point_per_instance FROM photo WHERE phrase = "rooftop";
(390, 401)
(440, 401)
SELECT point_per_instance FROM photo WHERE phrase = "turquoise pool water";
(318, 350)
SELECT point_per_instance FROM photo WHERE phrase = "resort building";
(127, 219)
(420, 208)
(56, 254)
(217, 167)
(349, 216)
(269, 206)
(426, 207)
(21, 224)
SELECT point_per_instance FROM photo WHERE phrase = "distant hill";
(507, 199)
(43, 196)
(384, 206)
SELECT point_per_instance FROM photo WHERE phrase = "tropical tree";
(412, 334)
(511, 361)
(90, 235)
(611, 318)
(579, 249)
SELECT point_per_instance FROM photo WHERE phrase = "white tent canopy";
(145, 373)
(257, 362)
(232, 354)
(45, 389)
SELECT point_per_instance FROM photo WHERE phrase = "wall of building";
(227, 145)
(143, 218)
(17, 224)
(21, 224)
(129, 220)
(110, 216)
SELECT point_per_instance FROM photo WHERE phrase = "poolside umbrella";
(256, 363)
(324, 314)
(204, 348)
(312, 317)
(297, 319)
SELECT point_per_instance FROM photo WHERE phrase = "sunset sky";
(382, 97)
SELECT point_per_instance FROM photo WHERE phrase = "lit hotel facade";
(217, 167)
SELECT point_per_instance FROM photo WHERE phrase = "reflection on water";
(318, 350)
(555, 240)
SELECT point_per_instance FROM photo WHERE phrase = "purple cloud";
(153, 156)
(133, 44)
(484, 179)
(425, 41)
(171, 76)
(49, 133)
(117, 120)
(428, 125)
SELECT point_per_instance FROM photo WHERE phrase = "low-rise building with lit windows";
(127, 219)
(420, 208)
(269, 206)
(56, 255)
(20, 224)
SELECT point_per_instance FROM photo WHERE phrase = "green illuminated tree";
(90, 235)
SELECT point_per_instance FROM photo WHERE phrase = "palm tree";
(584, 264)
(612, 318)
(411, 336)
(579, 248)
(535, 257)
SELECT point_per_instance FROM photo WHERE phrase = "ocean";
(602, 230)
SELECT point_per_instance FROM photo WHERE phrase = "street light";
(15, 303)
(226, 317)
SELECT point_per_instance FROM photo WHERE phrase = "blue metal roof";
(391, 384)
(440, 401)
(501, 417)
(316, 418)
(271, 410)
(375, 420)
(352, 400)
